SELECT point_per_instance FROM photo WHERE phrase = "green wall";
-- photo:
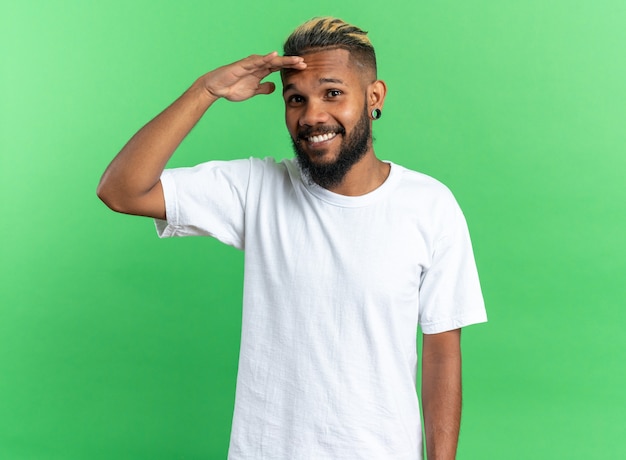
(117, 345)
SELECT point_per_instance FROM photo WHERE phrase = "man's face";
(326, 115)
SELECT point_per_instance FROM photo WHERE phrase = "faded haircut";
(329, 33)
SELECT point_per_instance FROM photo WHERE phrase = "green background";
(117, 345)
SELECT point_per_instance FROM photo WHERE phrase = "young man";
(345, 255)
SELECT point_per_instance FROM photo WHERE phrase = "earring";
(376, 114)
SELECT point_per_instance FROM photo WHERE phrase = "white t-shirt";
(335, 287)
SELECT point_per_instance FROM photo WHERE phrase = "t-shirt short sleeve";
(206, 200)
(450, 294)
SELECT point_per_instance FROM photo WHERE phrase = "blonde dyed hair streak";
(330, 33)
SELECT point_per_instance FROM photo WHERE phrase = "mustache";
(308, 131)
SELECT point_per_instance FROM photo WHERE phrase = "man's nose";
(313, 113)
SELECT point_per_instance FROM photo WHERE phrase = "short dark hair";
(318, 34)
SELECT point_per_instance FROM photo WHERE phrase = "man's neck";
(365, 176)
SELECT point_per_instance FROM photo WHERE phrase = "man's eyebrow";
(291, 86)
(331, 80)
(288, 87)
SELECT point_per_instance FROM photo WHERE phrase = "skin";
(323, 90)
(441, 393)
(331, 92)
(131, 184)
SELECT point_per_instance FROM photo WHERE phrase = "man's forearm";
(441, 393)
(138, 166)
(131, 182)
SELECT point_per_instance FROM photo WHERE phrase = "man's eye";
(295, 99)
(334, 93)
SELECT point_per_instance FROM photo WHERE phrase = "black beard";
(352, 149)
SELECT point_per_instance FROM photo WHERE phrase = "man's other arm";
(131, 183)
(441, 393)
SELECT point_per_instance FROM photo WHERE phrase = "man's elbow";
(150, 204)
(108, 196)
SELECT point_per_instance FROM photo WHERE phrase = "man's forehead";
(323, 65)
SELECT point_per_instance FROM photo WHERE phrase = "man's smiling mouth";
(321, 138)
(316, 135)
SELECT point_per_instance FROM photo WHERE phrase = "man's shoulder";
(271, 168)
(416, 182)
(241, 166)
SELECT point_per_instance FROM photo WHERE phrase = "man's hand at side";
(131, 184)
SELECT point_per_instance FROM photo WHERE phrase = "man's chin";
(323, 159)
(323, 156)
(322, 166)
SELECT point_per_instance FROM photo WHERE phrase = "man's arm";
(131, 184)
(441, 393)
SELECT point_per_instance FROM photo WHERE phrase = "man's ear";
(376, 92)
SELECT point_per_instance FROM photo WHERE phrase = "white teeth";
(322, 137)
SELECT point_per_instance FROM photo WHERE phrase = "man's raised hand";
(131, 184)
(241, 80)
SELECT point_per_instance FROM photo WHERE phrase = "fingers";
(287, 62)
(241, 80)
(284, 62)
(272, 62)
(266, 88)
